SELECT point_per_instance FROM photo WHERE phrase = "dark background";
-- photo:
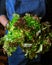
(48, 14)
(47, 57)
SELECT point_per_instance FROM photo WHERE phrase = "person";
(7, 9)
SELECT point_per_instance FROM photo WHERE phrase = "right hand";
(3, 20)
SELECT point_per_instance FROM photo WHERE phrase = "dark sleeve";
(49, 9)
(48, 15)
(2, 7)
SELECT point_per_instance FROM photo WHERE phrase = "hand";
(3, 20)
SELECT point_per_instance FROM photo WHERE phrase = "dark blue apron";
(23, 6)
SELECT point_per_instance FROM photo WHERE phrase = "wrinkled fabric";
(23, 6)
(20, 7)
(17, 58)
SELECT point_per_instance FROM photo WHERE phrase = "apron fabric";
(24, 6)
